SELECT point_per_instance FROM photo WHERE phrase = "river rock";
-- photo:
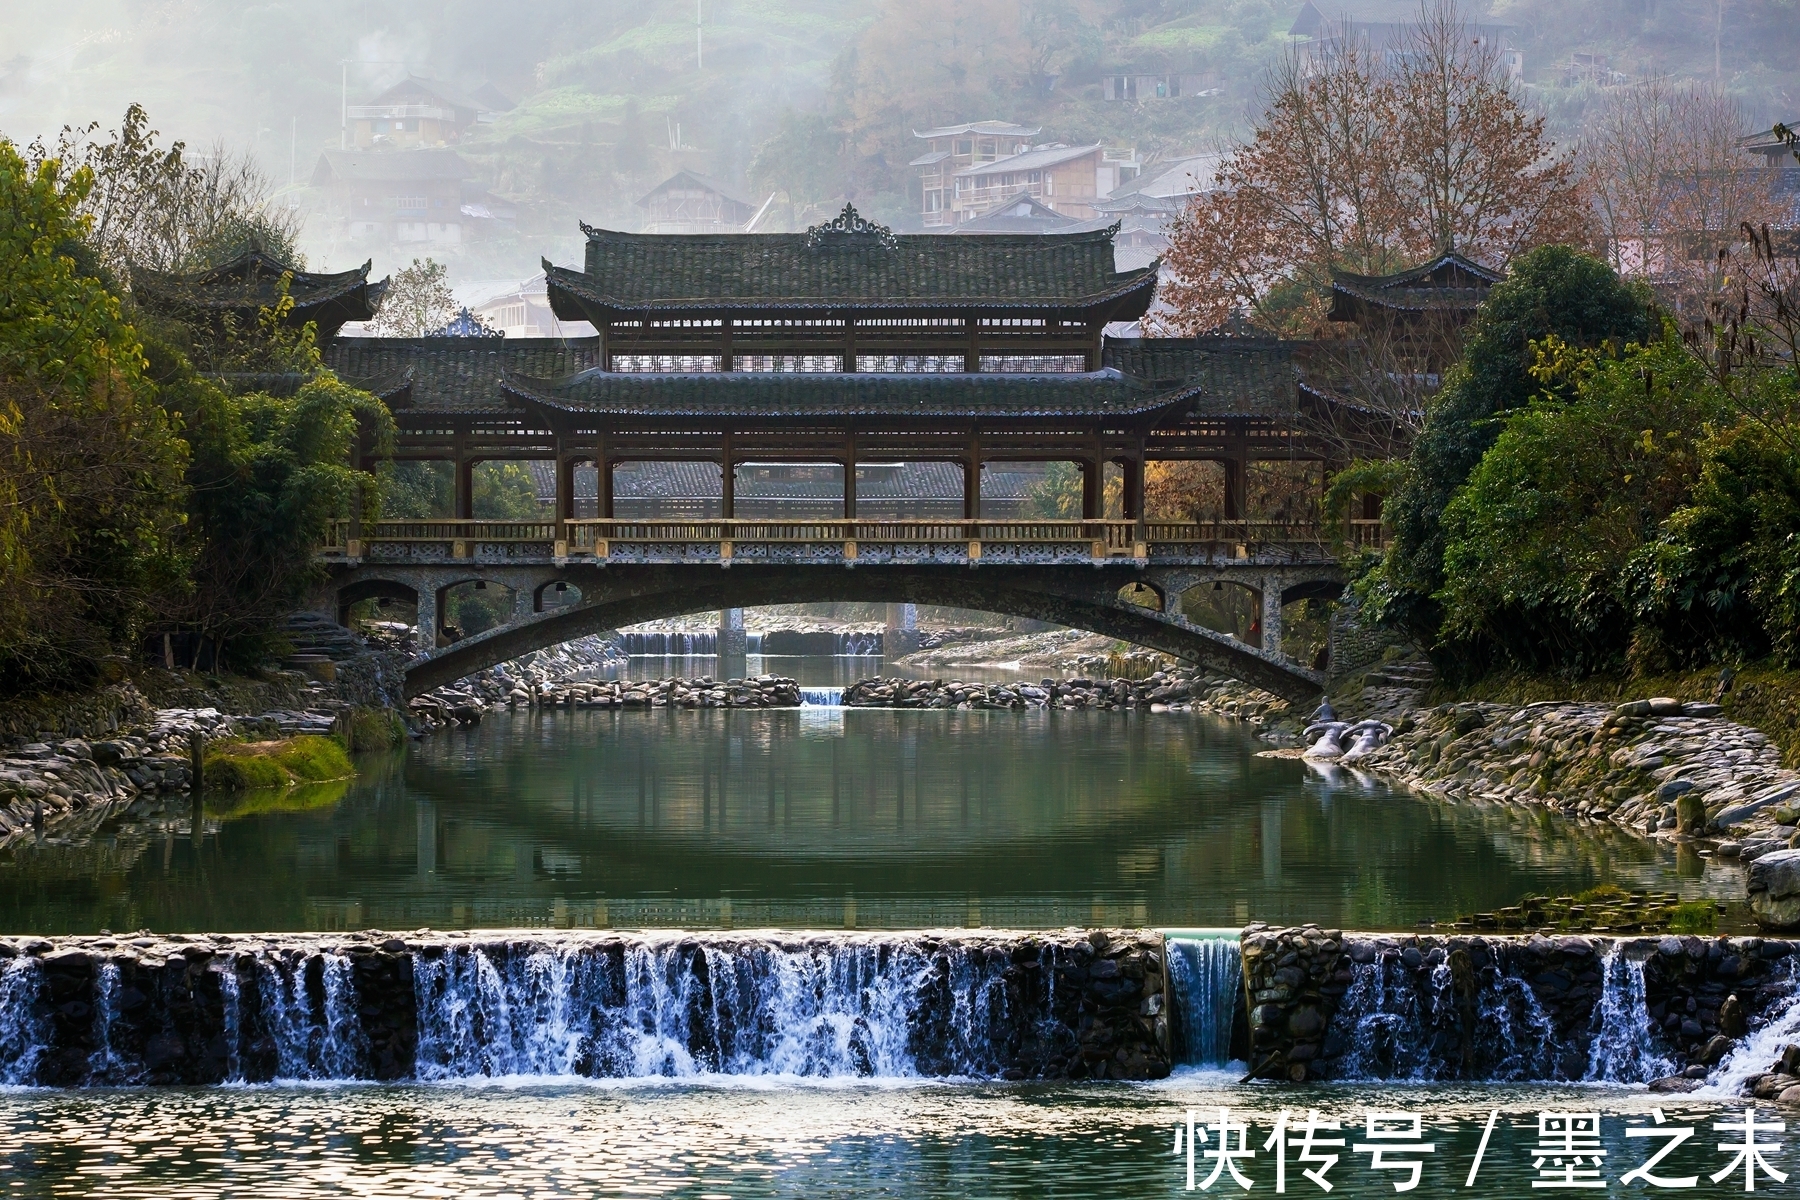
(1773, 881)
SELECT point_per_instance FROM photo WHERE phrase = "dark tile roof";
(631, 273)
(1448, 282)
(1024, 214)
(1229, 376)
(687, 479)
(691, 179)
(453, 374)
(1105, 394)
(252, 282)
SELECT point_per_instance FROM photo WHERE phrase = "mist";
(793, 105)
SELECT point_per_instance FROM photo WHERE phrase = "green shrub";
(1695, 916)
(242, 766)
(375, 729)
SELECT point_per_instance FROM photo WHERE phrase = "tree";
(1673, 187)
(802, 161)
(153, 207)
(1370, 163)
(1539, 542)
(418, 300)
(90, 466)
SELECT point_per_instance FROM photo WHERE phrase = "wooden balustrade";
(585, 536)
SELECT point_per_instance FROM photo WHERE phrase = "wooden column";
(604, 500)
(565, 487)
(1093, 493)
(465, 487)
(850, 478)
(727, 360)
(972, 346)
(972, 481)
(727, 478)
(850, 344)
(1134, 488)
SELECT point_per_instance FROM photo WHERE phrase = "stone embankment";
(47, 781)
(1660, 768)
(1178, 690)
(143, 1009)
(1324, 1004)
(465, 703)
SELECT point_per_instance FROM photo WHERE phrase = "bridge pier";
(733, 643)
(1271, 614)
(902, 633)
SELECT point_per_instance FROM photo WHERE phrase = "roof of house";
(453, 374)
(395, 166)
(252, 281)
(983, 128)
(1026, 214)
(846, 264)
(772, 394)
(437, 90)
(929, 158)
(1447, 282)
(1142, 381)
(690, 179)
(1031, 160)
(1165, 181)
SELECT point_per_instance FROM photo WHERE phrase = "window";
(1033, 364)
(934, 202)
(967, 147)
(652, 363)
(789, 362)
(438, 202)
(409, 203)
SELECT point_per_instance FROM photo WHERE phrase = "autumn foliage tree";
(1370, 162)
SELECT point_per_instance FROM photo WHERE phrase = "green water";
(820, 818)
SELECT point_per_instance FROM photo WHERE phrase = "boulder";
(1773, 881)
(1690, 812)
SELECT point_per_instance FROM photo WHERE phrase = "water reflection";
(826, 819)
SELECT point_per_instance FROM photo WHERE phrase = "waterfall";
(309, 1010)
(680, 1008)
(1206, 975)
(1623, 1048)
(24, 1020)
(822, 697)
(1755, 1053)
(104, 1064)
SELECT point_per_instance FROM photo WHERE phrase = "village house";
(419, 112)
(954, 148)
(973, 169)
(418, 198)
(688, 202)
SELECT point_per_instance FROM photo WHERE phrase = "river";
(818, 818)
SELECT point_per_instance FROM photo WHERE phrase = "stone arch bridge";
(1110, 577)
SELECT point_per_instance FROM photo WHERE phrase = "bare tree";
(1673, 187)
(158, 207)
(1370, 162)
(417, 301)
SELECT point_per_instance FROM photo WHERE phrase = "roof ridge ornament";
(854, 224)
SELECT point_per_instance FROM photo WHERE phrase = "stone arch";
(545, 589)
(1080, 597)
(374, 588)
(1145, 594)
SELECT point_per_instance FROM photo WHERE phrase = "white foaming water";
(24, 1030)
(1206, 975)
(322, 1040)
(822, 697)
(675, 1009)
(104, 1064)
(1623, 1047)
(1757, 1052)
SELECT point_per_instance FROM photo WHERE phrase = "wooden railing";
(591, 536)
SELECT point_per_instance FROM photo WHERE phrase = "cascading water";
(24, 1021)
(822, 697)
(308, 1007)
(104, 1064)
(1623, 1048)
(674, 1008)
(1753, 1056)
(1206, 975)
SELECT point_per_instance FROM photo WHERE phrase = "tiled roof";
(1448, 282)
(687, 479)
(1024, 214)
(1106, 394)
(1228, 376)
(693, 179)
(631, 273)
(987, 128)
(252, 281)
(453, 374)
(1031, 160)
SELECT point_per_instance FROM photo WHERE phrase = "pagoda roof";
(1447, 283)
(845, 265)
(1031, 160)
(251, 282)
(777, 395)
(1026, 214)
(453, 374)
